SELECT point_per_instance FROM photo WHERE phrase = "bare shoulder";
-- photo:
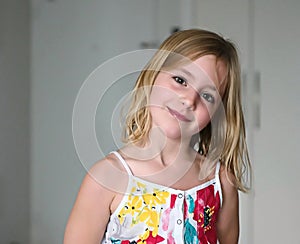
(92, 208)
(109, 173)
(227, 181)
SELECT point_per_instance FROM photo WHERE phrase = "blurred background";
(49, 47)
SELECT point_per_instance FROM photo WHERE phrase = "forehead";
(209, 65)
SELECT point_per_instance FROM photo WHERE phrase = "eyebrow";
(211, 87)
(188, 73)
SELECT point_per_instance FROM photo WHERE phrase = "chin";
(174, 134)
(167, 132)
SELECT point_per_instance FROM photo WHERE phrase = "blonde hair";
(192, 44)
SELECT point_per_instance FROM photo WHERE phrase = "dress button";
(180, 195)
(179, 221)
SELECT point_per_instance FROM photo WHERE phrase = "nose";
(189, 99)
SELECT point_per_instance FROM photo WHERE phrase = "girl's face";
(183, 99)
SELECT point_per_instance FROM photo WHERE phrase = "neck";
(172, 158)
(164, 150)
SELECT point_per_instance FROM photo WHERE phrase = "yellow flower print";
(206, 217)
(154, 223)
(132, 207)
(135, 205)
(145, 214)
(139, 189)
(155, 198)
(151, 217)
(124, 211)
(144, 236)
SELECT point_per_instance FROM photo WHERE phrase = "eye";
(208, 97)
(180, 80)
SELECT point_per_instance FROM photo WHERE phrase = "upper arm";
(90, 213)
(228, 217)
(93, 206)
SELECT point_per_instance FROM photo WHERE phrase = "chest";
(166, 214)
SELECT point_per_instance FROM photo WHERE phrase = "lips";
(178, 115)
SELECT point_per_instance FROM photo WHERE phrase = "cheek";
(203, 116)
(154, 96)
(159, 95)
(206, 113)
(203, 119)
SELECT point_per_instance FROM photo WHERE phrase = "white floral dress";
(152, 213)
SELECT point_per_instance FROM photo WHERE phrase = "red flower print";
(151, 239)
(207, 205)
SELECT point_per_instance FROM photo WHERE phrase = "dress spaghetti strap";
(218, 182)
(125, 165)
(217, 169)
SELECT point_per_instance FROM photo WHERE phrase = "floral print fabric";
(152, 213)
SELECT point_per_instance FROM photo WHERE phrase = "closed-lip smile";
(178, 115)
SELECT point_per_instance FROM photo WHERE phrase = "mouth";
(178, 115)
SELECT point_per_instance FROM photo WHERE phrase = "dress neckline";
(168, 188)
(173, 189)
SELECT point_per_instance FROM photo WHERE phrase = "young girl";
(177, 178)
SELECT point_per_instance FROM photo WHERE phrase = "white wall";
(14, 122)
(271, 214)
(276, 158)
(274, 55)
